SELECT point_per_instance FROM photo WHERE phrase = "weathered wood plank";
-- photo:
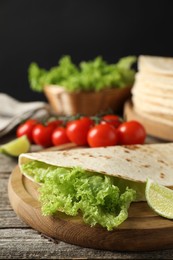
(5, 204)
(9, 219)
(7, 163)
(27, 243)
(4, 201)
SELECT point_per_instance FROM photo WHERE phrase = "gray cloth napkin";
(13, 112)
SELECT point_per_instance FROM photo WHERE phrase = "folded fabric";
(13, 112)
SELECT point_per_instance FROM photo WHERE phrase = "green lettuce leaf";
(93, 75)
(73, 190)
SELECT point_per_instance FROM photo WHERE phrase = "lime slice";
(16, 147)
(159, 198)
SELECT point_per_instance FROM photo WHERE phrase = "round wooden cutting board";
(142, 231)
(153, 128)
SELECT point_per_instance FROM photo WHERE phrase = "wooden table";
(19, 241)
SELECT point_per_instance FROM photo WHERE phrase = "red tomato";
(131, 132)
(42, 134)
(77, 130)
(59, 136)
(113, 120)
(55, 123)
(26, 129)
(102, 135)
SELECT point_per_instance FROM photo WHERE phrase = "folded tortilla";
(98, 183)
(134, 162)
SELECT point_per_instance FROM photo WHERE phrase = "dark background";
(43, 31)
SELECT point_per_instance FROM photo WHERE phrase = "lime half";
(159, 198)
(16, 147)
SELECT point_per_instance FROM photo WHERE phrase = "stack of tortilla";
(152, 92)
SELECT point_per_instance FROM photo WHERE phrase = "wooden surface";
(153, 128)
(143, 230)
(20, 241)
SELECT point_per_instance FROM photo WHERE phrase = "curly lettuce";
(91, 75)
(73, 190)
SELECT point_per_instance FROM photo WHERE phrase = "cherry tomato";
(42, 134)
(131, 132)
(113, 120)
(26, 129)
(77, 130)
(59, 136)
(55, 123)
(102, 135)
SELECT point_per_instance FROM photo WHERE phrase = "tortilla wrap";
(155, 86)
(147, 105)
(134, 162)
(149, 79)
(143, 90)
(154, 64)
(155, 117)
(152, 92)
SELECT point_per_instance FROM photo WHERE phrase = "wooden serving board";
(142, 231)
(153, 128)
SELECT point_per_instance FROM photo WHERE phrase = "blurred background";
(43, 31)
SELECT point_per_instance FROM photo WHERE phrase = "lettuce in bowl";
(93, 75)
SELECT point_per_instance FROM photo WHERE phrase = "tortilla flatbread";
(157, 87)
(154, 64)
(152, 80)
(156, 117)
(152, 92)
(153, 106)
(134, 162)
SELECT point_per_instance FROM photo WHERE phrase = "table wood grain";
(19, 241)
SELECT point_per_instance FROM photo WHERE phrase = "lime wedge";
(159, 198)
(16, 147)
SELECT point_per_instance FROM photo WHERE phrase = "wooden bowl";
(86, 103)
